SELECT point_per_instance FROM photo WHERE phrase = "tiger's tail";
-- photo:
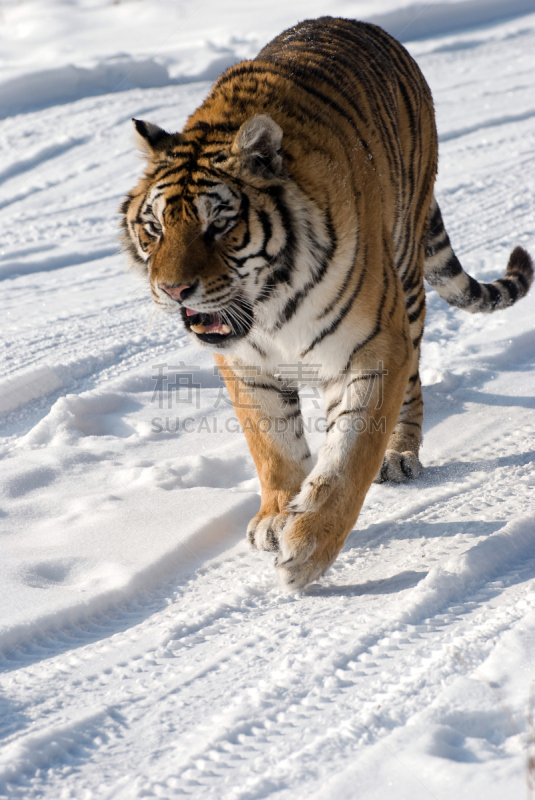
(443, 271)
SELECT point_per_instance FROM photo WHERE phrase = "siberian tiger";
(292, 222)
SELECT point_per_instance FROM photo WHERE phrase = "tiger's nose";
(180, 292)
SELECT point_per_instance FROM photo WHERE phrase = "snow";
(146, 650)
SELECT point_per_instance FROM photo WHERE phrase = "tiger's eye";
(219, 224)
(153, 227)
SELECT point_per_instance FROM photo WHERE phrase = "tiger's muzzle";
(219, 327)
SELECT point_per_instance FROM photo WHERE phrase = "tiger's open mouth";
(218, 327)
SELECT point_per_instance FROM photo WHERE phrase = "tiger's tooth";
(225, 329)
(198, 328)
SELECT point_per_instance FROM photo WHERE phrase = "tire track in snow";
(356, 677)
(362, 677)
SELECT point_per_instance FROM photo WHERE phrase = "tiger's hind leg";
(401, 462)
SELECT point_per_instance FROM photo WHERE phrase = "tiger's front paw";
(399, 467)
(264, 530)
(308, 545)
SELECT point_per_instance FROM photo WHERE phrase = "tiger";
(292, 222)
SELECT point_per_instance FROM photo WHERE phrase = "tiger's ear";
(151, 139)
(258, 142)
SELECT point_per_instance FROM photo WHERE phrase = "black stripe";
(267, 230)
(409, 301)
(257, 347)
(213, 127)
(432, 248)
(474, 290)
(362, 378)
(495, 294)
(511, 287)
(447, 271)
(333, 405)
(412, 280)
(294, 414)
(286, 73)
(284, 262)
(263, 386)
(416, 342)
(436, 223)
(413, 316)
(342, 314)
(368, 338)
(343, 287)
(521, 279)
(325, 256)
(377, 328)
(357, 410)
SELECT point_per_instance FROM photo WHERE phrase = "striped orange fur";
(291, 224)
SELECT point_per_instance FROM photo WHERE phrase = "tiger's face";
(205, 224)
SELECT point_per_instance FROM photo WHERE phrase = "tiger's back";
(358, 118)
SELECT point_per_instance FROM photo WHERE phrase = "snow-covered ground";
(147, 651)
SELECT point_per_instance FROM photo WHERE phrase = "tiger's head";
(207, 223)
